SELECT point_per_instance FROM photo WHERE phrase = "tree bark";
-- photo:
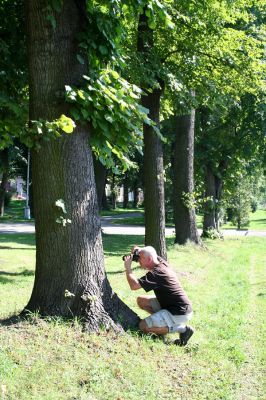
(5, 171)
(213, 191)
(136, 196)
(209, 221)
(105, 205)
(70, 279)
(126, 189)
(183, 180)
(100, 173)
(154, 179)
(113, 192)
(31, 202)
(153, 156)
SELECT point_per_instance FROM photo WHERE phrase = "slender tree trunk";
(70, 278)
(31, 202)
(126, 189)
(105, 205)
(219, 187)
(100, 173)
(209, 220)
(154, 179)
(213, 191)
(153, 156)
(183, 181)
(113, 192)
(5, 171)
(136, 196)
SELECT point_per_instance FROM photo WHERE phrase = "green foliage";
(111, 105)
(53, 7)
(214, 48)
(13, 71)
(212, 233)
(240, 200)
(230, 140)
(43, 130)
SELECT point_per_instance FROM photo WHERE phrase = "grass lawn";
(121, 211)
(15, 213)
(257, 222)
(53, 360)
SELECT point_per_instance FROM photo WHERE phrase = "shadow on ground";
(19, 238)
(25, 272)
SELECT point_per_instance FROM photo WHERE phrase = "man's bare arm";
(132, 280)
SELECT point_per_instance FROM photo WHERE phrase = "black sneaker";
(184, 337)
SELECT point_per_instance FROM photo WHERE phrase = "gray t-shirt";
(168, 291)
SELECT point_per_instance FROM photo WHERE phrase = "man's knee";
(141, 303)
(143, 326)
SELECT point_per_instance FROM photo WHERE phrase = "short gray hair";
(149, 251)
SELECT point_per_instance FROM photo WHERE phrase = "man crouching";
(170, 308)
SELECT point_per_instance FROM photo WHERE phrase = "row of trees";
(98, 72)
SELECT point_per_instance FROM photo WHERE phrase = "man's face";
(143, 260)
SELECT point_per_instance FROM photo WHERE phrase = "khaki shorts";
(161, 318)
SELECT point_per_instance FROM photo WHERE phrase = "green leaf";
(85, 113)
(80, 59)
(81, 94)
(103, 50)
(114, 74)
(66, 124)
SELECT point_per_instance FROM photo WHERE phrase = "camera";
(135, 256)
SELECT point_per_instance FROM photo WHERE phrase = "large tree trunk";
(183, 181)
(70, 279)
(154, 179)
(5, 171)
(153, 156)
(100, 173)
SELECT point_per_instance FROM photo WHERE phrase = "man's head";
(148, 257)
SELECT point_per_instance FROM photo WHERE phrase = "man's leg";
(154, 329)
(145, 303)
(185, 336)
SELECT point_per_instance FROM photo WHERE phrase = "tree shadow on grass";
(19, 238)
(15, 248)
(4, 280)
(25, 272)
(13, 320)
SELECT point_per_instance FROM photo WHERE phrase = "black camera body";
(135, 256)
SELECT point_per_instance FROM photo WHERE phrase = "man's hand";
(127, 263)
(134, 248)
